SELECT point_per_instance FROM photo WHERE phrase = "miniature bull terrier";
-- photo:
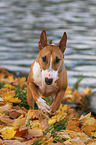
(47, 76)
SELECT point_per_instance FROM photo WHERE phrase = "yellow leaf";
(67, 142)
(69, 90)
(78, 96)
(90, 121)
(35, 123)
(9, 96)
(6, 107)
(93, 134)
(49, 140)
(9, 86)
(92, 143)
(30, 115)
(88, 129)
(21, 81)
(3, 90)
(87, 91)
(87, 119)
(63, 108)
(77, 141)
(69, 95)
(1, 99)
(10, 77)
(19, 121)
(64, 134)
(67, 134)
(73, 125)
(8, 132)
(52, 121)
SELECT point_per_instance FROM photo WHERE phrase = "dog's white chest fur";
(39, 78)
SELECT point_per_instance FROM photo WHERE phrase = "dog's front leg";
(38, 99)
(30, 99)
(56, 103)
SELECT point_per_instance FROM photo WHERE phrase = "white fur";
(39, 78)
(50, 74)
(37, 73)
(42, 105)
(50, 67)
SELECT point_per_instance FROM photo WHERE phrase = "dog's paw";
(42, 105)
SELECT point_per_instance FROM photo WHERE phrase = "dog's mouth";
(49, 77)
(48, 81)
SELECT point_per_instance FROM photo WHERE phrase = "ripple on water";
(21, 23)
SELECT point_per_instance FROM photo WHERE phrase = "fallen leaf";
(87, 91)
(35, 123)
(69, 95)
(13, 142)
(9, 86)
(5, 119)
(77, 141)
(44, 124)
(34, 132)
(19, 121)
(93, 134)
(7, 132)
(1, 99)
(78, 96)
(14, 114)
(58, 143)
(6, 107)
(88, 129)
(30, 115)
(26, 127)
(67, 142)
(88, 119)
(67, 134)
(9, 96)
(92, 143)
(21, 131)
(21, 81)
(52, 120)
(73, 125)
(49, 140)
(1, 142)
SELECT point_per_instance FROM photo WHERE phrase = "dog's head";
(51, 57)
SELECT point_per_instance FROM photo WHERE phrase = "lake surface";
(21, 22)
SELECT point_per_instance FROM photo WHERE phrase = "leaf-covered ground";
(19, 125)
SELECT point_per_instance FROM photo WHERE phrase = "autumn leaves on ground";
(19, 125)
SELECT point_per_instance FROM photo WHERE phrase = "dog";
(47, 76)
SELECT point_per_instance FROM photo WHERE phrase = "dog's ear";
(43, 40)
(62, 43)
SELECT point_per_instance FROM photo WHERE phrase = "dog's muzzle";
(48, 81)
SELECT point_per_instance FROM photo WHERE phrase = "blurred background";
(21, 22)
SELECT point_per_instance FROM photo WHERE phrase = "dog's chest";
(40, 82)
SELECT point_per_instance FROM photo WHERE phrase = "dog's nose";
(48, 81)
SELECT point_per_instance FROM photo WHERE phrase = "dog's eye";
(57, 59)
(44, 59)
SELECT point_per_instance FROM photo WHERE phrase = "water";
(21, 23)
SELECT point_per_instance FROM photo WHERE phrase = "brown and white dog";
(47, 76)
